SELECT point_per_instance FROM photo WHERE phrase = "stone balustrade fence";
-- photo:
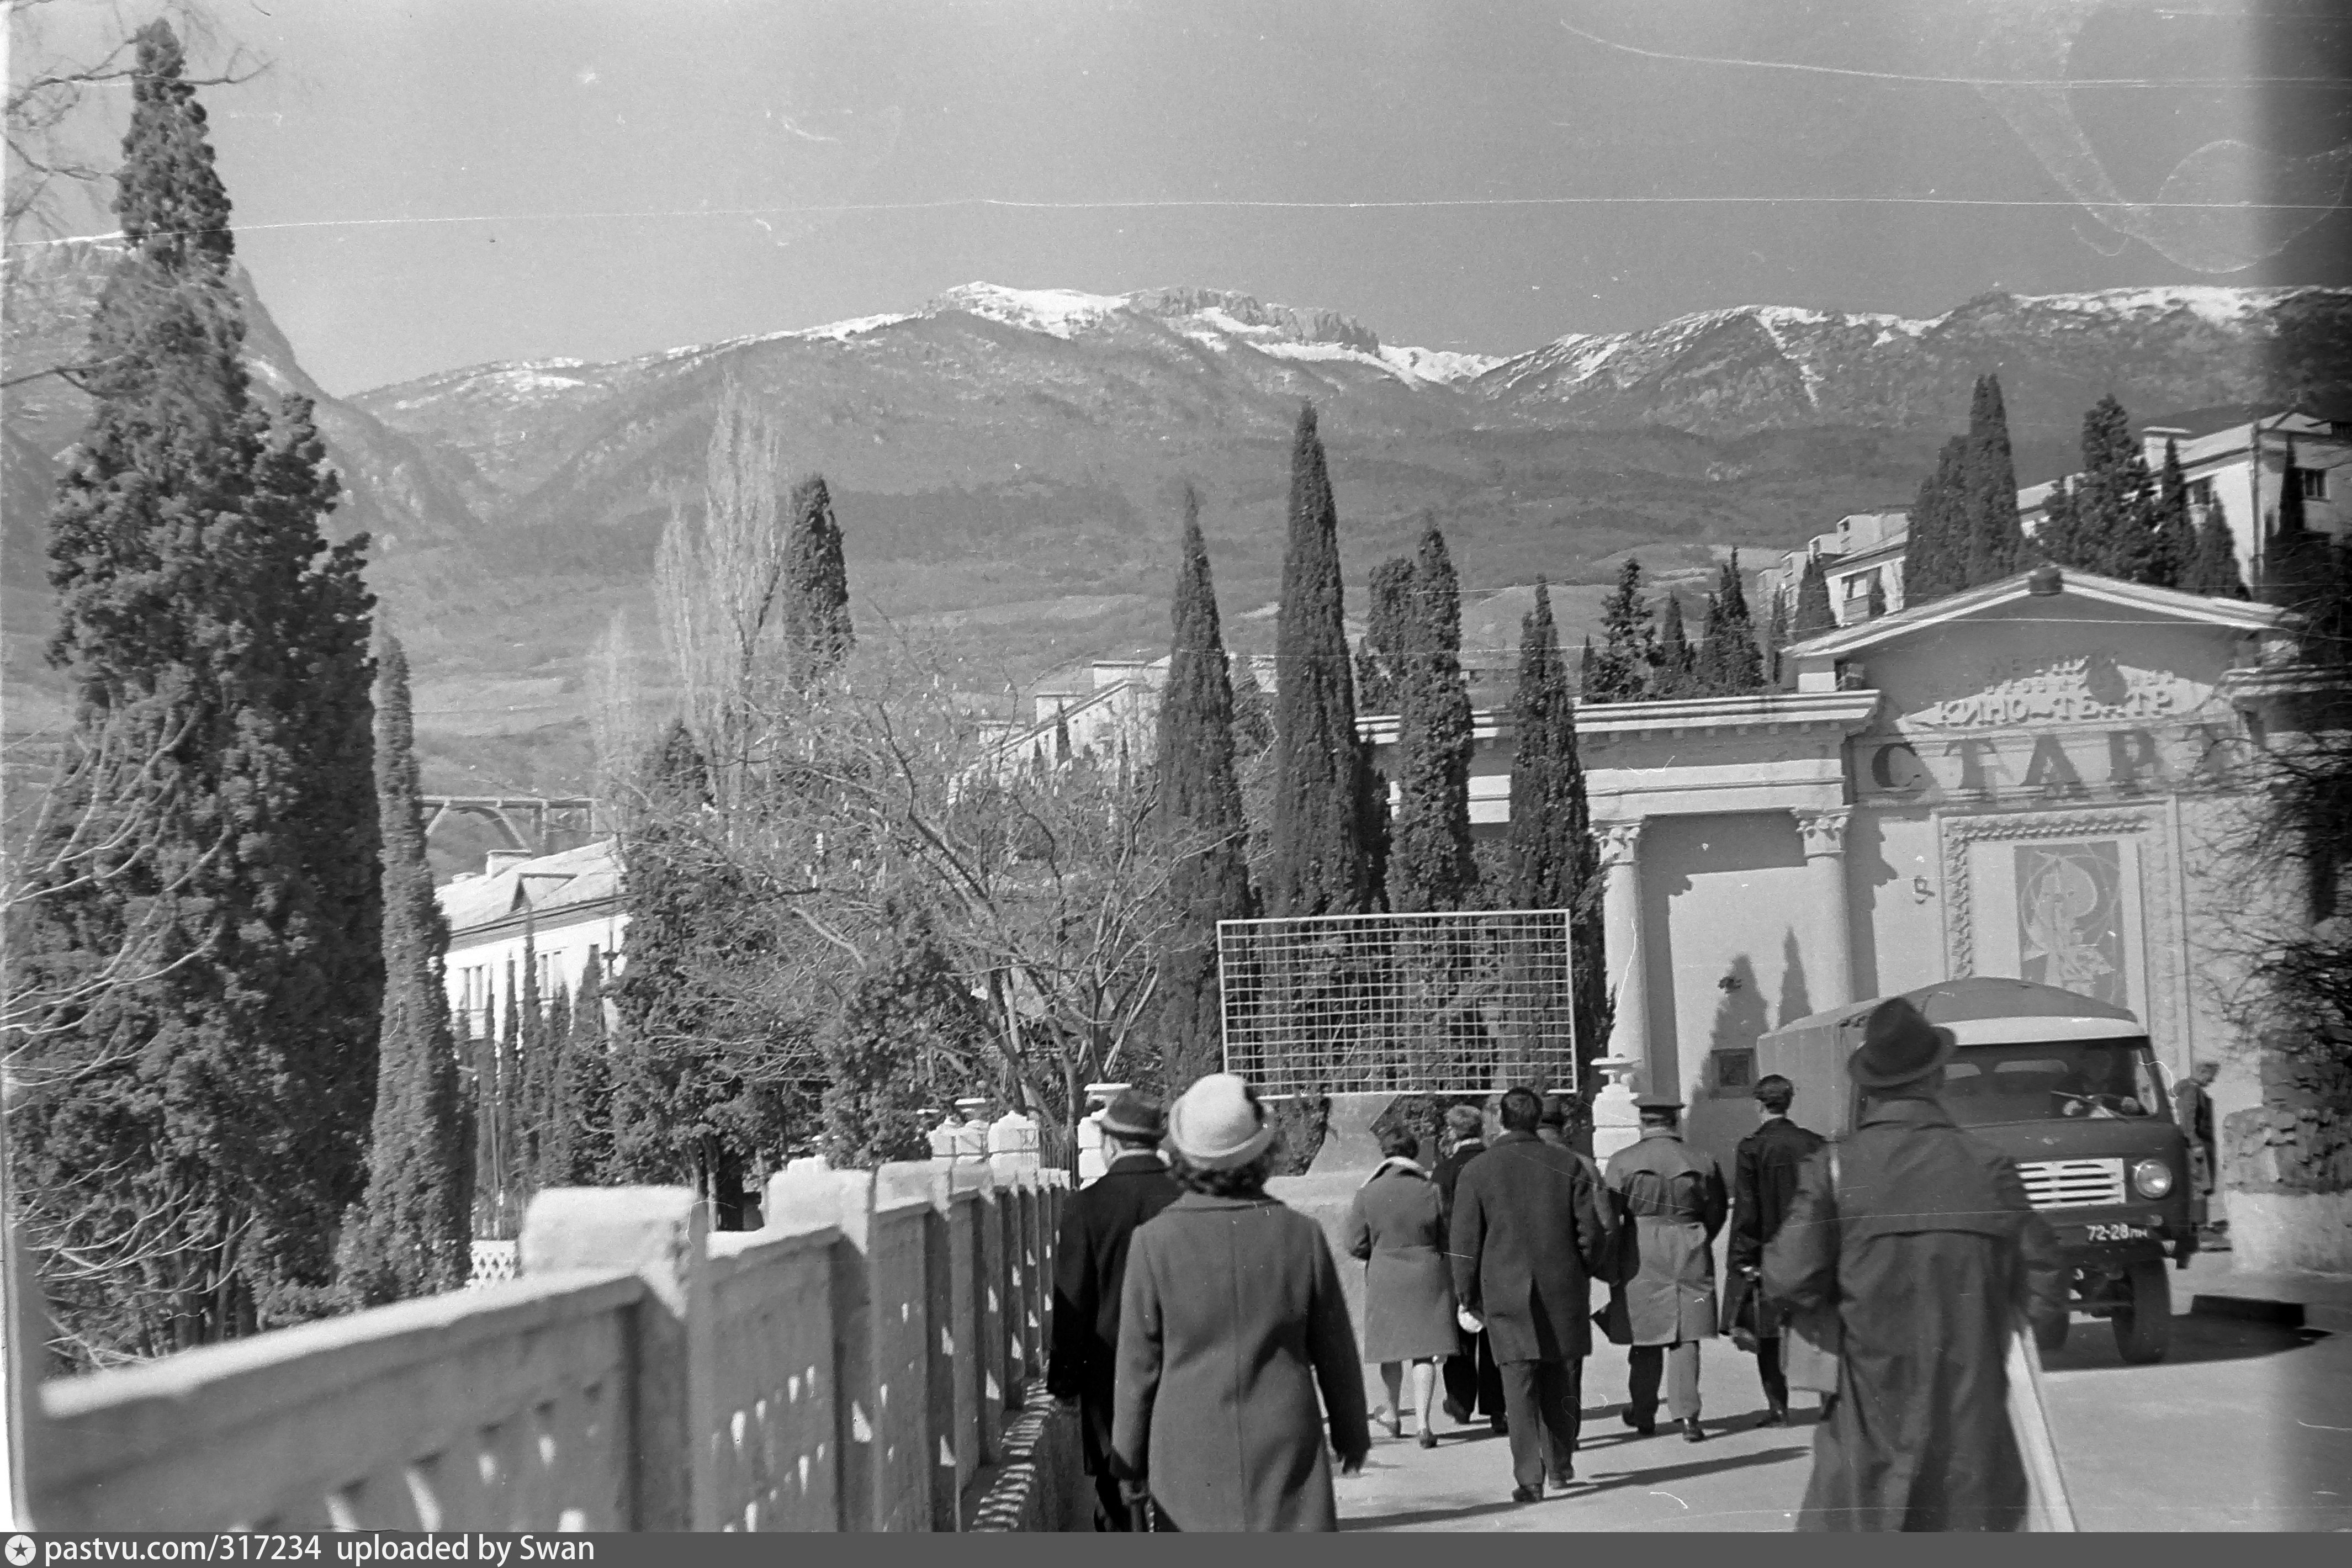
(872, 1359)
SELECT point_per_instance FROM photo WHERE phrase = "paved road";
(2246, 1426)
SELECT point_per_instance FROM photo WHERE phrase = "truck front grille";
(2072, 1184)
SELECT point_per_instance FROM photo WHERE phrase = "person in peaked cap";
(1089, 1267)
(1764, 1180)
(1674, 1194)
(1230, 1322)
(1920, 1238)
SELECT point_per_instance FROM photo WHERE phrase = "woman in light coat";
(1230, 1321)
(1396, 1224)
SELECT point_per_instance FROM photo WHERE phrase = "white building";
(568, 904)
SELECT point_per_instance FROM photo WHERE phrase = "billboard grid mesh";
(1423, 1004)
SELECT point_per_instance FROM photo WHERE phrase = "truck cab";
(2069, 1090)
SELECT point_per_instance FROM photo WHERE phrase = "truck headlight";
(2153, 1178)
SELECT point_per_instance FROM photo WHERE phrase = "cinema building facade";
(2028, 779)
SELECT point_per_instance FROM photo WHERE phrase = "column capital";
(1823, 831)
(1620, 843)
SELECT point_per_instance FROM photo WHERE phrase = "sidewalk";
(2211, 1287)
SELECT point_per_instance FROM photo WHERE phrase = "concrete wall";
(852, 1366)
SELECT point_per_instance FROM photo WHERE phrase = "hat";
(1217, 1125)
(1898, 1046)
(1133, 1115)
(1656, 1099)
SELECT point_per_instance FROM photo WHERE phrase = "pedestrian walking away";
(1528, 1233)
(1231, 1321)
(1764, 1183)
(1918, 1238)
(2192, 1105)
(1674, 1194)
(1089, 1269)
(1473, 1383)
(1396, 1224)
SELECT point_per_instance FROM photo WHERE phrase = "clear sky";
(427, 183)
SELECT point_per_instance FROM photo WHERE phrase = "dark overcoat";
(1231, 1321)
(1529, 1233)
(1448, 1169)
(1931, 1253)
(1089, 1266)
(1675, 1195)
(1395, 1223)
(1763, 1183)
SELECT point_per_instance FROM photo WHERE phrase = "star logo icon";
(20, 1550)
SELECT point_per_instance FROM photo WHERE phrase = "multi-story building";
(1860, 556)
(568, 905)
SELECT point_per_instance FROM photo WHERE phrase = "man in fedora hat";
(1472, 1381)
(1920, 1236)
(1089, 1267)
(1675, 1195)
(1527, 1233)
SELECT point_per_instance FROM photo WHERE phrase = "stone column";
(1629, 1034)
(1824, 836)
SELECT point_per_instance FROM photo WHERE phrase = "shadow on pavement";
(1654, 1479)
(2091, 1343)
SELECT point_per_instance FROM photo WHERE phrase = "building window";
(2310, 483)
(2201, 493)
(546, 973)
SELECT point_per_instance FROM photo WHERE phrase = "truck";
(2067, 1086)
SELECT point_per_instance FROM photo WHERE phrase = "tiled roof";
(543, 887)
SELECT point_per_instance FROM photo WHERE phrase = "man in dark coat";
(1472, 1382)
(1922, 1239)
(1528, 1231)
(1764, 1183)
(1675, 1197)
(1089, 1266)
(2192, 1105)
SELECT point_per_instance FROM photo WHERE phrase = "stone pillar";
(1830, 980)
(1616, 1124)
(659, 1232)
(1012, 1146)
(1629, 1035)
(972, 1129)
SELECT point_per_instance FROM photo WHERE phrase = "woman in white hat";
(1231, 1319)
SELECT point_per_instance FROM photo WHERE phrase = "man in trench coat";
(1528, 1231)
(1089, 1267)
(1764, 1183)
(1922, 1239)
(1675, 1195)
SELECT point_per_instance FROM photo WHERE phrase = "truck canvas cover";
(1812, 1051)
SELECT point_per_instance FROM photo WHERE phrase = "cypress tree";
(1321, 865)
(2174, 536)
(588, 1078)
(2110, 518)
(2060, 539)
(1936, 549)
(1380, 659)
(1585, 665)
(218, 1097)
(1815, 614)
(1253, 714)
(488, 1176)
(907, 1007)
(535, 1092)
(1628, 645)
(2212, 568)
(1739, 666)
(816, 626)
(1995, 543)
(1430, 867)
(1676, 662)
(1200, 807)
(1554, 862)
(410, 1234)
(1776, 638)
(514, 1180)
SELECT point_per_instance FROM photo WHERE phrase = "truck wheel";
(2144, 1329)
(2050, 1338)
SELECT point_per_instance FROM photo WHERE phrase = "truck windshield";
(2051, 1081)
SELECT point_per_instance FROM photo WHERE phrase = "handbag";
(1616, 1320)
(1813, 1336)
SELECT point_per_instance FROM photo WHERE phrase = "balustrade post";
(659, 1232)
(996, 1295)
(908, 1256)
(811, 1192)
(26, 1366)
(965, 1329)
